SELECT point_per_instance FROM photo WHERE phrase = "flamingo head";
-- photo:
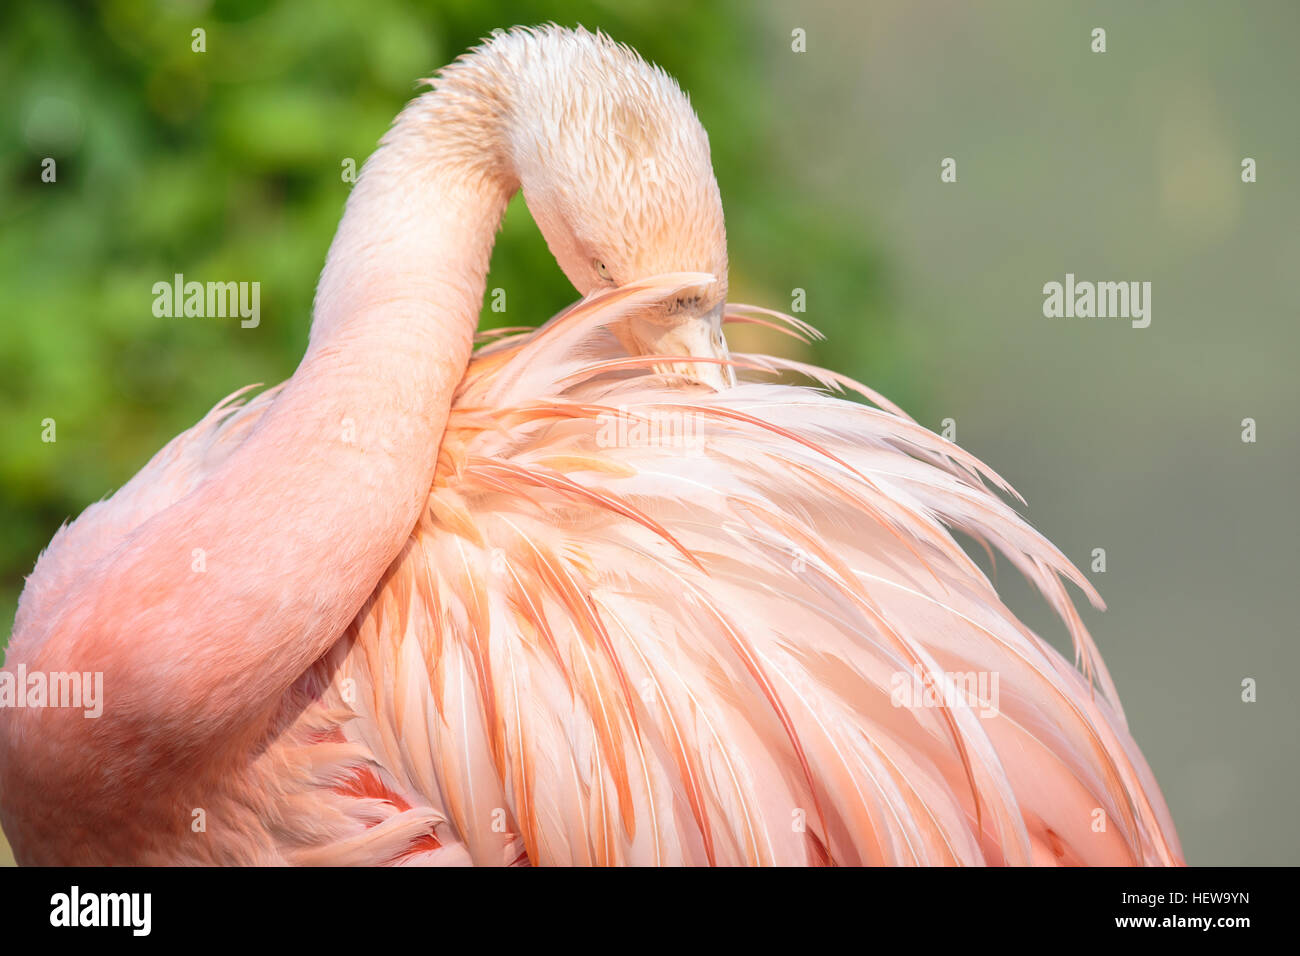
(616, 170)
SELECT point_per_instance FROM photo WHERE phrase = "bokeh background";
(1116, 166)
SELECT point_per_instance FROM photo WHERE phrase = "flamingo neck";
(355, 433)
(415, 241)
(326, 489)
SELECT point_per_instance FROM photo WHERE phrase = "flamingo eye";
(602, 270)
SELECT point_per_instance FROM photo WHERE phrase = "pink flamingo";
(580, 597)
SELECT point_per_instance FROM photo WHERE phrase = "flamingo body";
(601, 593)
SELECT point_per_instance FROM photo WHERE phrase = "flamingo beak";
(689, 333)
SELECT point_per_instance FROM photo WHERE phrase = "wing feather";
(695, 648)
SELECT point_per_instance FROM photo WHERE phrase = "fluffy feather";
(607, 643)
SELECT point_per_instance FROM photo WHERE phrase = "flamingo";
(601, 592)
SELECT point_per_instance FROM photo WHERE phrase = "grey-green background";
(1116, 166)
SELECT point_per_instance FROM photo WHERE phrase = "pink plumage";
(602, 593)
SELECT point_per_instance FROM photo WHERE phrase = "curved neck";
(298, 524)
(417, 234)
(347, 452)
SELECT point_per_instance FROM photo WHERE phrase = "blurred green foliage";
(226, 165)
